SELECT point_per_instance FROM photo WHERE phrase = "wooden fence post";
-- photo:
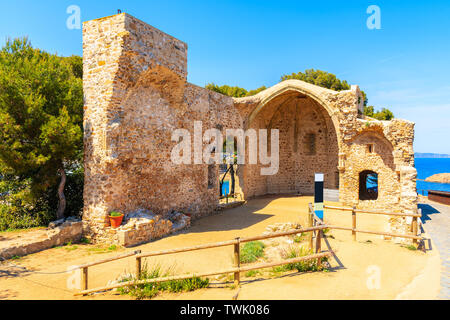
(354, 223)
(415, 226)
(310, 225)
(84, 279)
(237, 261)
(138, 267)
(319, 246)
(319, 241)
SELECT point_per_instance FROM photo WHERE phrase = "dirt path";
(357, 263)
(436, 222)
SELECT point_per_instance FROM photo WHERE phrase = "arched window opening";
(368, 185)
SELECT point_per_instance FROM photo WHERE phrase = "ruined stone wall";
(136, 95)
(392, 156)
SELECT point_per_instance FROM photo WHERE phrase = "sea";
(427, 167)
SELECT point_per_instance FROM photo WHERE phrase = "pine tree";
(41, 114)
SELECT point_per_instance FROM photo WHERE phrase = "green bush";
(302, 266)
(20, 209)
(150, 290)
(251, 251)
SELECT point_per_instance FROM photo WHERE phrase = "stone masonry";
(136, 94)
(57, 234)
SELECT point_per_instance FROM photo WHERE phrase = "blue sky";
(403, 66)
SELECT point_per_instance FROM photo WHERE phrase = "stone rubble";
(142, 226)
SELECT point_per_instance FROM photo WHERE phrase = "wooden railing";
(354, 230)
(85, 267)
(236, 270)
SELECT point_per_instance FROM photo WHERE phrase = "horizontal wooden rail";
(375, 212)
(283, 234)
(85, 267)
(187, 249)
(354, 230)
(122, 256)
(228, 243)
(231, 270)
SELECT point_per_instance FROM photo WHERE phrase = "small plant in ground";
(150, 290)
(252, 273)
(99, 249)
(85, 240)
(278, 269)
(411, 247)
(71, 248)
(299, 237)
(251, 251)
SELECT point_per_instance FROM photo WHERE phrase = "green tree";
(330, 81)
(236, 92)
(41, 114)
(319, 78)
(384, 114)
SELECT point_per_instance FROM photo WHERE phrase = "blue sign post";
(318, 195)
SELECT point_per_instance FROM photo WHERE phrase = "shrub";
(20, 209)
(150, 290)
(251, 251)
(252, 273)
(302, 266)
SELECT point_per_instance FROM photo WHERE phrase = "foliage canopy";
(41, 118)
(317, 77)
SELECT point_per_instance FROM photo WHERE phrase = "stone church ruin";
(136, 94)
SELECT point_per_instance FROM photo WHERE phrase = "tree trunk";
(62, 197)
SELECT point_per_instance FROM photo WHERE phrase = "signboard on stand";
(318, 195)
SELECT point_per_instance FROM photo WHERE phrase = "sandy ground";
(401, 271)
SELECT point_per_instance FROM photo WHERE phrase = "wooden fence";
(354, 230)
(314, 230)
(236, 270)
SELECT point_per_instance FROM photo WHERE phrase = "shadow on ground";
(427, 211)
(234, 219)
(7, 294)
(11, 272)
